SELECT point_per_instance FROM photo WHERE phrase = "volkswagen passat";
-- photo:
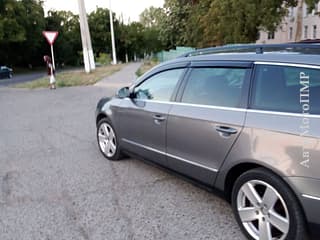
(245, 124)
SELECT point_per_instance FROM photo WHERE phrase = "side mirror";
(123, 92)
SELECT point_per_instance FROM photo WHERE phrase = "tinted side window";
(160, 86)
(286, 89)
(215, 86)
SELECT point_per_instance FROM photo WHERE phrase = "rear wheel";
(265, 207)
(107, 140)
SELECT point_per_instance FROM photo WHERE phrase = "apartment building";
(286, 32)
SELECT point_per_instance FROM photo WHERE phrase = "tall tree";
(34, 24)
(21, 23)
(202, 23)
(68, 45)
(11, 23)
(194, 30)
(311, 4)
(151, 17)
(99, 24)
(174, 24)
(239, 21)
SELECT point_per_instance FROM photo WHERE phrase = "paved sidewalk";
(122, 78)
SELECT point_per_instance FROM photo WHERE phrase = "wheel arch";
(100, 116)
(235, 171)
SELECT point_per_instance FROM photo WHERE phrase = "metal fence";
(172, 54)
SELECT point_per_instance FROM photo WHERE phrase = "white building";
(286, 32)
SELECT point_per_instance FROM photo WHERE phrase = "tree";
(152, 41)
(151, 17)
(194, 30)
(68, 44)
(11, 27)
(173, 24)
(132, 39)
(239, 21)
(311, 4)
(21, 23)
(99, 24)
(34, 24)
(202, 23)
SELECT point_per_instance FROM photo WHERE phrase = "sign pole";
(52, 56)
(51, 36)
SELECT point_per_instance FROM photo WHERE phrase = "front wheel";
(265, 207)
(10, 75)
(107, 140)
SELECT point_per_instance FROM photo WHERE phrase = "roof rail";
(302, 48)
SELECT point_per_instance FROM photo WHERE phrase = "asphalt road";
(55, 184)
(27, 77)
(21, 78)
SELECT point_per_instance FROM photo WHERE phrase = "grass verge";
(146, 66)
(73, 78)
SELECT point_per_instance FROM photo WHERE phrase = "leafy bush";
(146, 66)
(104, 58)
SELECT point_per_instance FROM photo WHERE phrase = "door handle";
(226, 131)
(158, 118)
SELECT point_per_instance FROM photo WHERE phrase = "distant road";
(28, 77)
(21, 78)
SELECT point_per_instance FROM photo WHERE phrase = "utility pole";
(114, 56)
(88, 57)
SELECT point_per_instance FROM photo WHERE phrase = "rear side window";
(215, 86)
(286, 89)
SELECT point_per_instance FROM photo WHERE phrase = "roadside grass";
(146, 66)
(73, 78)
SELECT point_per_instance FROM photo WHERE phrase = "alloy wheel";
(262, 211)
(107, 140)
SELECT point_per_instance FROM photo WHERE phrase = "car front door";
(207, 120)
(143, 117)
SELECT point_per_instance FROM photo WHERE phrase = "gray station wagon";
(245, 124)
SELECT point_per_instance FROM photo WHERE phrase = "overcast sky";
(129, 8)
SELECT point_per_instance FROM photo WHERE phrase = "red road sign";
(51, 36)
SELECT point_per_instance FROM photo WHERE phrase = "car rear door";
(284, 124)
(207, 117)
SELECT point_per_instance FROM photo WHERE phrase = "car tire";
(10, 75)
(107, 140)
(266, 208)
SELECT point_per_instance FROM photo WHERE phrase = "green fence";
(172, 54)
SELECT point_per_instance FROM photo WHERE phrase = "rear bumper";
(308, 192)
(311, 207)
(314, 230)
